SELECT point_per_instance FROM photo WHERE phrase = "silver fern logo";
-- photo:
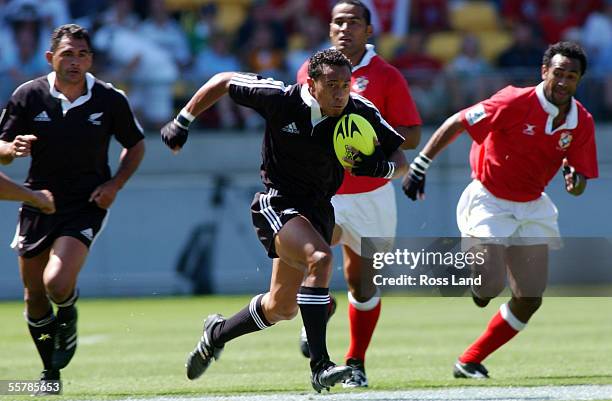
(95, 118)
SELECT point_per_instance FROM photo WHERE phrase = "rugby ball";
(355, 131)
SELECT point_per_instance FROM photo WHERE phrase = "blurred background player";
(522, 136)
(64, 121)
(294, 218)
(365, 206)
(12, 191)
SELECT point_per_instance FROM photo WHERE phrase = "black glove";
(576, 178)
(413, 183)
(374, 165)
(174, 135)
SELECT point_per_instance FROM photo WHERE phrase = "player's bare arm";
(448, 131)
(10, 190)
(411, 134)
(209, 93)
(43, 200)
(401, 164)
(174, 134)
(575, 183)
(21, 146)
(129, 160)
(414, 181)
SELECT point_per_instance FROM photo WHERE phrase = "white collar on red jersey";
(67, 104)
(315, 109)
(367, 57)
(571, 120)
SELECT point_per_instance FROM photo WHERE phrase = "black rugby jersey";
(70, 157)
(298, 150)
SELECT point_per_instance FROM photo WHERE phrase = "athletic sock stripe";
(300, 295)
(365, 305)
(313, 303)
(509, 317)
(253, 310)
(41, 323)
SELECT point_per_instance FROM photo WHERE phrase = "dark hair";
(366, 11)
(73, 31)
(326, 57)
(567, 49)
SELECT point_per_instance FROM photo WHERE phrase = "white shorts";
(368, 214)
(483, 215)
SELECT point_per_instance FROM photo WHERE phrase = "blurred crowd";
(452, 52)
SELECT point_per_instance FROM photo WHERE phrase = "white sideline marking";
(539, 393)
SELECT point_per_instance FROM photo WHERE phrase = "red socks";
(363, 317)
(500, 330)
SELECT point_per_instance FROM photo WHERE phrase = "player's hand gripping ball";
(353, 131)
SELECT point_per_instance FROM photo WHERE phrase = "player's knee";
(59, 290)
(319, 265)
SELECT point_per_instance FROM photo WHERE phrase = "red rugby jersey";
(516, 152)
(383, 85)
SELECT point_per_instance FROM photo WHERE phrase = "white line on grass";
(540, 393)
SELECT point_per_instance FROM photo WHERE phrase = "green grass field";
(137, 347)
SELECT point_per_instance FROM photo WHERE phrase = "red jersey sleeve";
(489, 115)
(302, 73)
(400, 109)
(582, 153)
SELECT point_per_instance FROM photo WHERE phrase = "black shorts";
(37, 231)
(271, 210)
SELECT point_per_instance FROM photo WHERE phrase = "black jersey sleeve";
(125, 127)
(389, 139)
(13, 116)
(264, 95)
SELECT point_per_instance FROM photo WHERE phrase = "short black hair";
(366, 11)
(326, 57)
(567, 49)
(73, 31)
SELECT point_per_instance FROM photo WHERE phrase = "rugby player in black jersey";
(64, 122)
(293, 217)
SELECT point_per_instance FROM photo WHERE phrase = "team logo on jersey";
(529, 129)
(290, 128)
(360, 84)
(475, 114)
(289, 211)
(43, 116)
(565, 140)
(94, 118)
(87, 233)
